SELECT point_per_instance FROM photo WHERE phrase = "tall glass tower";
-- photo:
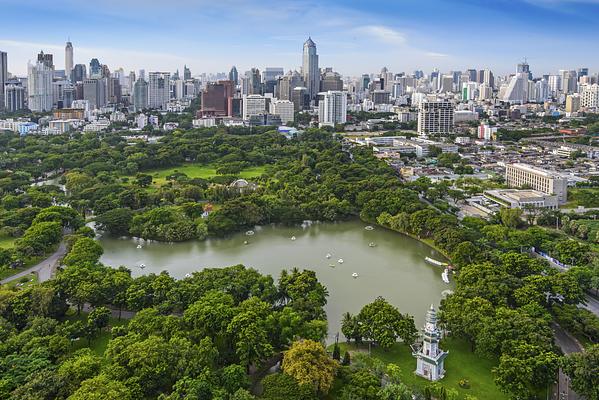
(310, 71)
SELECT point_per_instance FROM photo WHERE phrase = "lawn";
(21, 283)
(586, 197)
(100, 342)
(7, 242)
(460, 363)
(198, 171)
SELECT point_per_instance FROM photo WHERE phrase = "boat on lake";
(445, 275)
(369, 228)
(371, 244)
(354, 275)
(435, 262)
(340, 261)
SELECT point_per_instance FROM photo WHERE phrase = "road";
(561, 390)
(44, 269)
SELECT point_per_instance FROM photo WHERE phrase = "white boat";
(139, 246)
(445, 275)
(250, 233)
(328, 256)
(292, 237)
(354, 275)
(332, 265)
(245, 242)
(188, 275)
(340, 261)
(369, 228)
(371, 244)
(435, 262)
(142, 266)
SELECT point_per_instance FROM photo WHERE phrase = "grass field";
(21, 283)
(460, 363)
(586, 197)
(198, 171)
(100, 342)
(7, 242)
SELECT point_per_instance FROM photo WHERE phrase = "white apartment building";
(435, 116)
(519, 174)
(332, 108)
(284, 109)
(253, 104)
(589, 97)
(39, 87)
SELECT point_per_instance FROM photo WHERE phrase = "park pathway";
(45, 269)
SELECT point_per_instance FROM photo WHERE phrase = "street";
(44, 269)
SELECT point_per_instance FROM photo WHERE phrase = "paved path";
(561, 390)
(44, 269)
(591, 304)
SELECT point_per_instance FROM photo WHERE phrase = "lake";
(394, 268)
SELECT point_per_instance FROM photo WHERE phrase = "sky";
(352, 36)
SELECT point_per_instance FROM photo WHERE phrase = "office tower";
(310, 70)
(524, 68)
(542, 90)
(284, 109)
(68, 59)
(95, 69)
(140, 95)
(217, 98)
(485, 92)
(300, 98)
(287, 83)
(14, 97)
(573, 103)
(332, 108)
(589, 97)
(488, 78)
(446, 84)
(331, 81)
(253, 104)
(186, 73)
(364, 82)
(234, 75)
(39, 87)
(555, 84)
(270, 75)
(569, 81)
(480, 76)
(519, 174)
(79, 73)
(158, 89)
(254, 81)
(517, 89)
(418, 74)
(94, 92)
(58, 91)
(3, 76)
(469, 90)
(472, 75)
(435, 116)
(583, 72)
(380, 96)
(46, 59)
(113, 93)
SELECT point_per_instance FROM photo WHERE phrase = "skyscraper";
(140, 94)
(158, 89)
(94, 91)
(3, 76)
(186, 73)
(310, 70)
(46, 59)
(95, 68)
(332, 108)
(68, 59)
(39, 87)
(435, 116)
(79, 73)
(234, 75)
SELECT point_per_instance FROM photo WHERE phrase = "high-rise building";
(517, 89)
(217, 98)
(95, 69)
(68, 59)
(488, 78)
(331, 81)
(300, 98)
(332, 108)
(253, 104)
(158, 89)
(589, 97)
(446, 84)
(14, 97)
(254, 81)
(46, 59)
(186, 73)
(39, 87)
(234, 75)
(583, 72)
(3, 76)
(518, 175)
(270, 75)
(310, 70)
(94, 92)
(572, 103)
(435, 116)
(284, 109)
(472, 75)
(524, 68)
(79, 73)
(140, 95)
(287, 83)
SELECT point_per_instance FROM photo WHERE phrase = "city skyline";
(351, 37)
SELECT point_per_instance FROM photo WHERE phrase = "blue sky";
(352, 36)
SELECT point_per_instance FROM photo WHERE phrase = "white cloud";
(435, 55)
(383, 34)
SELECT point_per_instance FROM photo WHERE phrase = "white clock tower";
(429, 357)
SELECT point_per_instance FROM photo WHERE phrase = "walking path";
(561, 390)
(44, 269)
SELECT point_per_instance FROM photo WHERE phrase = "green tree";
(582, 370)
(309, 364)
